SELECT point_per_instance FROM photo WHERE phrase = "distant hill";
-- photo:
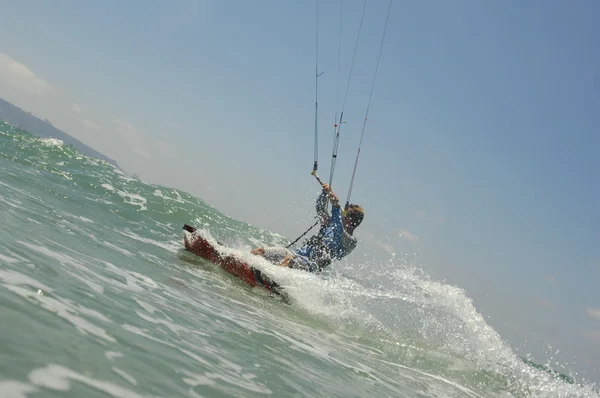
(43, 128)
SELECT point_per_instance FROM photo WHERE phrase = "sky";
(479, 162)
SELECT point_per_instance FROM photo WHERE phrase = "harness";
(321, 253)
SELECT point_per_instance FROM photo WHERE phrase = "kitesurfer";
(334, 240)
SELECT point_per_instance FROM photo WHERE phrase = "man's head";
(352, 216)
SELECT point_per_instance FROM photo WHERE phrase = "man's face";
(347, 221)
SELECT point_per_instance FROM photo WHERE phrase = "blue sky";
(481, 157)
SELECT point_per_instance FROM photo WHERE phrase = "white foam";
(134, 199)
(118, 171)
(100, 200)
(173, 327)
(58, 378)
(465, 390)
(117, 248)
(16, 389)
(9, 202)
(8, 260)
(195, 379)
(16, 278)
(125, 375)
(111, 355)
(52, 142)
(62, 174)
(81, 218)
(135, 282)
(172, 247)
(64, 310)
(149, 308)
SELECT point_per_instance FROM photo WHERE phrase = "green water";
(98, 298)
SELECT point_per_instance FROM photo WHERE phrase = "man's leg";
(274, 254)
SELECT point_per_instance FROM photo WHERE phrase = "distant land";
(43, 128)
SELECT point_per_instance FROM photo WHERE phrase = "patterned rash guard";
(331, 243)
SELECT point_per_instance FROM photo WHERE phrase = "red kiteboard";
(201, 247)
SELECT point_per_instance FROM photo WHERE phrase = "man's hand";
(332, 197)
(335, 202)
(259, 251)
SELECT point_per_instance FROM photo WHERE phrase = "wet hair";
(355, 214)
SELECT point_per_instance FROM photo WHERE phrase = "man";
(333, 242)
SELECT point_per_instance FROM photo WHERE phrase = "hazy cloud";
(120, 140)
(550, 279)
(370, 238)
(545, 303)
(424, 216)
(90, 125)
(593, 312)
(16, 74)
(132, 136)
(172, 126)
(592, 334)
(139, 143)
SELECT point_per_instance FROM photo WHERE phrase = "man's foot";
(259, 251)
(286, 261)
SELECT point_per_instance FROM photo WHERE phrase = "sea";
(98, 298)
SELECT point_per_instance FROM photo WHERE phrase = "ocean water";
(98, 298)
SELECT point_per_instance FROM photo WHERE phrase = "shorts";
(276, 255)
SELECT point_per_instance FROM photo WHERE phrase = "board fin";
(189, 228)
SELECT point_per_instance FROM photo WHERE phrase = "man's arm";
(322, 205)
(336, 223)
(335, 226)
(322, 208)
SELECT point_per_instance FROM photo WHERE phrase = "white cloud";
(408, 236)
(76, 108)
(16, 74)
(593, 312)
(550, 279)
